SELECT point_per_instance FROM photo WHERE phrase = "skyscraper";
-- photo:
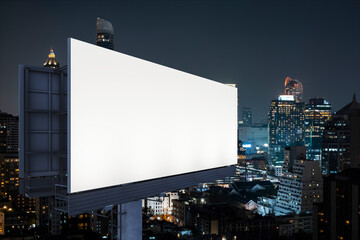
(51, 61)
(104, 34)
(286, 127)
(341, 139)
(294, 87)
(246, 116)
(317, 113)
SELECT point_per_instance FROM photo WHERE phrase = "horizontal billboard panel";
(132, 120)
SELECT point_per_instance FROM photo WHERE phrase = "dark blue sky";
(252, 43)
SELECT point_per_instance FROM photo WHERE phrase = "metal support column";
(119, 222)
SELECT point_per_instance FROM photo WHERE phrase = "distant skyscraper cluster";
(294, 123)
(332, 140)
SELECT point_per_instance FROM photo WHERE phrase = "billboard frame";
(53, 180)
(42, 114)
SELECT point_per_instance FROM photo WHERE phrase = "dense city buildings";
(18, 211)
(317, 113)
(340, 147)
(300, 183)
(104, 34)
(286, 127)
(338, 217)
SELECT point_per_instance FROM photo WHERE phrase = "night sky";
(252, 43)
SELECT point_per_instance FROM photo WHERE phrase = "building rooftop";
(103, 26)
(51, 61)
(247, 186)
(353, 108)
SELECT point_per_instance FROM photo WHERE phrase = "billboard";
(131, 120)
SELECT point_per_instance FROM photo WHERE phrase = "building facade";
(341, 144)
(18, 209)
(338, 217)
(162, 205)
(9, 133)
(300, 184)
(286, 127)
(317, 113)
(246, 117)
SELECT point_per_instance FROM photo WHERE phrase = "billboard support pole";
(118, 222)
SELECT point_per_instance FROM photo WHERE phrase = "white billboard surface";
(132, 120)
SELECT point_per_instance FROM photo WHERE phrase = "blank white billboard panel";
(132, 120)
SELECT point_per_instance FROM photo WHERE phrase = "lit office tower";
(341, 140)
(104, 34)
(246, 116)
(300, 184)
(286, 127)
(317, 113)
(51, 61)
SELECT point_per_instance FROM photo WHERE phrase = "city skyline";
(255, 45)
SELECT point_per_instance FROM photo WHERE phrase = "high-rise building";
(341, 139)
(300, 184)
(286, 127)
(51, 61)
(104, 34)
(9, 133)
(317, 113)
(294, 87)
(338, 216)
(246, 117)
